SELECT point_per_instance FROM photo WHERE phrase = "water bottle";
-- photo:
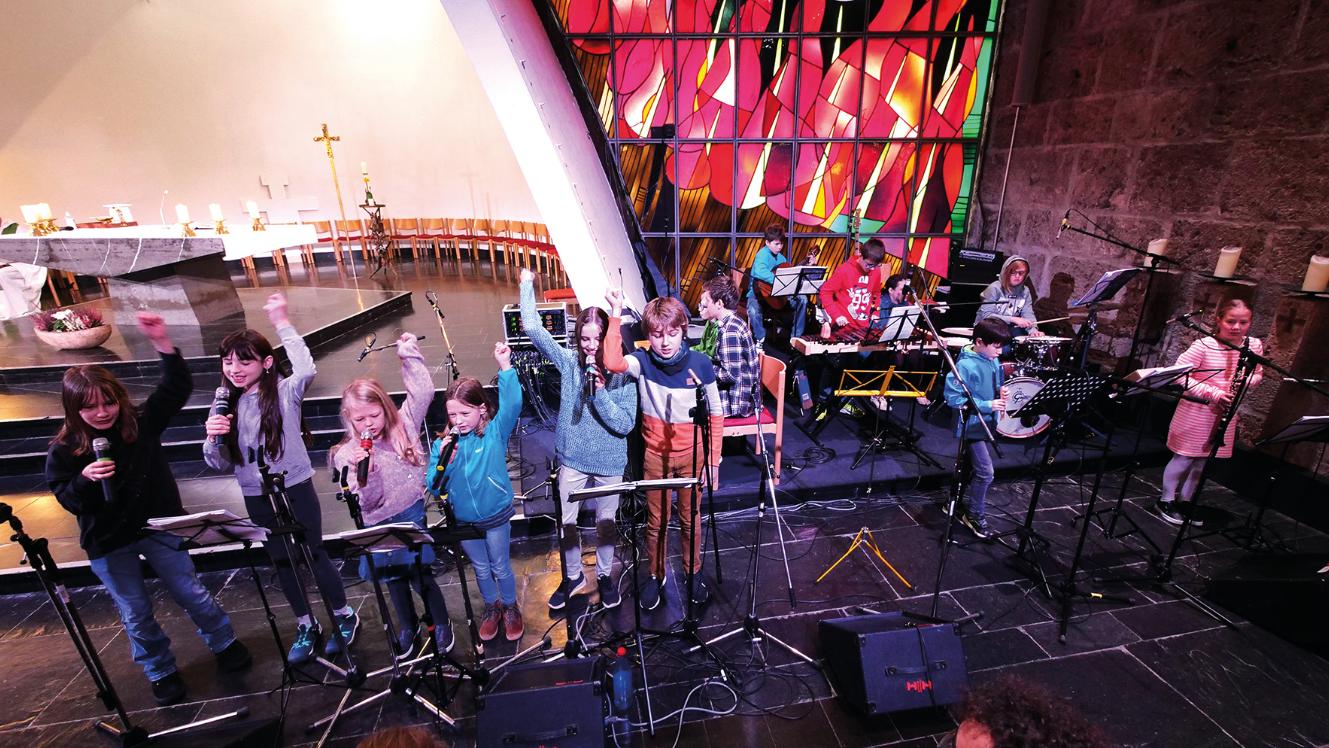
(621, 675)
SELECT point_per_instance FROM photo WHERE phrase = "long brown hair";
(250, 345)
(1006, 274)
(370, 392)
(597, 316)
(470, 391)
(77, 391)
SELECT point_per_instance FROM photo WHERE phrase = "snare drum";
(958, 332)
(1018, 392)
(1042, 352)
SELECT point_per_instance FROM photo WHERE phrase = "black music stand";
(1304, 429)
(1062, 398)
(1103, 290)
(37, 553)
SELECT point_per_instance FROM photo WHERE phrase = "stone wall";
(1205, 122)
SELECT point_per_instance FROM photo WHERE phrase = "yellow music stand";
(871, 544)
(885, 383)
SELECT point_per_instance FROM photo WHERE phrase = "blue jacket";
(477, 482)
(592, 432)
(763, 266)
(984, 377)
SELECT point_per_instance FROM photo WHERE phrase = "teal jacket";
(476, 482)
(763, 265)
(984, 377)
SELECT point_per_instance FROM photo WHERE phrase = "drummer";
(1009, 299)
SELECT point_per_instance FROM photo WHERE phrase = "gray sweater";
(294, 459)
(591, 436)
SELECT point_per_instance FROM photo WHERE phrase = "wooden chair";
(460, 229)
(772, 381)
(407, 230)
(434, 231)
(352, 231)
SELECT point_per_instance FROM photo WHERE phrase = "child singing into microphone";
(476, 483)
(1193, 429)
(392, 489)
(265, 410)
(115, 489)
(595, 415)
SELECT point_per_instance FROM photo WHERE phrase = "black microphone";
(101, 449)
(362, 469)
(1065, 223)
(221, 406)
(1183, 318)
(368, 349)
(589, 376)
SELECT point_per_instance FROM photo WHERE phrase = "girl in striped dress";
(1191, 434)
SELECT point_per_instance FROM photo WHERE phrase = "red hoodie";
(852, 294)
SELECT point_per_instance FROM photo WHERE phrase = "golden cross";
(327, 139)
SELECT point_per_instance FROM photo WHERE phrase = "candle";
(252, 207)
(364, 168)
(1317, 275)
(1158, 248)
(29, 213)
(181, 213)
(214, 210)
(1227, 262)
(43, 212)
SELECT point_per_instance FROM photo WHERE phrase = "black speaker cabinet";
(885, 663)
(558, 703)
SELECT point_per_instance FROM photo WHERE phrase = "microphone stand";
(454, 372)
(957, 481)
(37, 554)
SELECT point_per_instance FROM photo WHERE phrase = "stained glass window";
(729, 115)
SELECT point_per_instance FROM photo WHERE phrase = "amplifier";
(560, 703)
(883, 663)
(553, 316)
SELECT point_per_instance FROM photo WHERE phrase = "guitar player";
(770, 256)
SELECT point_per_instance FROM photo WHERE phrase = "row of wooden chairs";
(513, 242)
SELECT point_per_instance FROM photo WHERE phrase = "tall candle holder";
(186, 230)
(257, 225)
(220, 227)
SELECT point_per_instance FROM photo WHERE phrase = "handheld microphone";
(362, 469)
(221, 406)
(101, 449)
(1065, 223)
(369, 347)
(1183, 318)
(589, 377)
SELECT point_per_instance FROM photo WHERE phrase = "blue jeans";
(492, 558)
(799, 306)
(981, 475)
(122, 574)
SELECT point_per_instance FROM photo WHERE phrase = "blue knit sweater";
(591, 435)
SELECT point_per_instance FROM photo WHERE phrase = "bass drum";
(1018, 392)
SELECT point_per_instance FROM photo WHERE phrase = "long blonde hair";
(370, 392)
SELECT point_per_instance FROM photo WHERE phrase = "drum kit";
(1028, 363)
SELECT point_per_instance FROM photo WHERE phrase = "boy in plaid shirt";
(735, 358)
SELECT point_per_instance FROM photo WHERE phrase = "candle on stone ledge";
(1317, 275)
(214, 210)
(181, 213)
(364, 168)
(1227, 262)
(1158, 248)
(252, 208)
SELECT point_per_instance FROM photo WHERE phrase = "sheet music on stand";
(215, 527)
(398, 536)
(798, 280)
(1106, 287)
(900, 325)
(1154, 378)
(611, 489)
(1061, 396)
(1304, 429)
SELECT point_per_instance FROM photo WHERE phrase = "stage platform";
(1152, 672)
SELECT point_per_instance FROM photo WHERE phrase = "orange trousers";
(657, 465)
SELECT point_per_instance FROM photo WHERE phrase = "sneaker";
(302, 650)
(652, 592)
(169, 690)
(564, 591)
(700, 593)
(512, 624)
(347, 625)
(851, 409)
(977, 525)
(235, 657)
(406, 640)
(444, 637)
(489, 621)
(609, 596)
(1171, 513)
(881, 403)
